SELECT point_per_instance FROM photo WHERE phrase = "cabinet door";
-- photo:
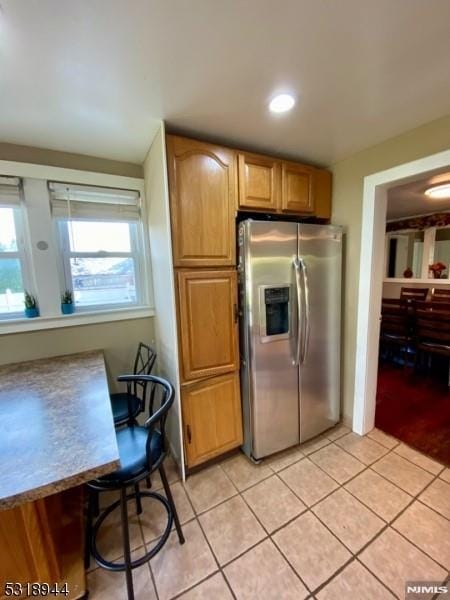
(259, 182)
(207, 303)
(202, 187)
(212, 418)
(322, 194)
(297, 192)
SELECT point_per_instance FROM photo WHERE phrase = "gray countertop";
(56, 426)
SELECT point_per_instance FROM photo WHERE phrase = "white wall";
(157, 194)
(348, 180)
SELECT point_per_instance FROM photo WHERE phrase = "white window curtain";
(70, 201)
(10, 188)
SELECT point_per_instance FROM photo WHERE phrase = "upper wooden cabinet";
(208, 323)
(274, 185)
(203, 188)
(297, 192)
(322, 194)
(259, 182)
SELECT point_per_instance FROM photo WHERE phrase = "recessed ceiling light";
(438, 192)
(281, 103)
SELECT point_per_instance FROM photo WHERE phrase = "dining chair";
(432, 334)
(410, 294)
(440, 295)
(126, 406)
(432, 305)
(142, 451)
(395, 330)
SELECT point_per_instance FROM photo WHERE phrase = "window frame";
(137, 254)
(21, 254)
(41, 262)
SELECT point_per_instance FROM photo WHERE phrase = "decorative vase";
(30, 313)
(67, 309)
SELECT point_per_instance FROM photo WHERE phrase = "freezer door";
(319, 276)
(269, 321)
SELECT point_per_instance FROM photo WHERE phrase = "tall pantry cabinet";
(203, 201)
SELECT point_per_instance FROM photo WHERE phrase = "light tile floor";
(342, 516)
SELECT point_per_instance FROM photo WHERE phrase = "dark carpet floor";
(415, 408)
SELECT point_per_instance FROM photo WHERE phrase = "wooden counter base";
(42, 541)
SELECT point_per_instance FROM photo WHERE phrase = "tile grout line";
(269, 535)
(353, 556)
(386, 524)
(209, 545)
(341, 485)
(308, 508)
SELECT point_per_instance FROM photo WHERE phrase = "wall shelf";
(430, 282)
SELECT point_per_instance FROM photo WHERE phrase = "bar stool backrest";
(143, 365)
(160, 396)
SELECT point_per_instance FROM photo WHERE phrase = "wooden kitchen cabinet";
(297, 191)
(43, 541)
(322, 194)
(259, 182)
(277, 186)
(208, 323)
(212, 418)
(203, 189)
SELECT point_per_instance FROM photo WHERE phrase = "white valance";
(10, 191)
(71, 201)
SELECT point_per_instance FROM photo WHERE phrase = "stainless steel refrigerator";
(290, 312)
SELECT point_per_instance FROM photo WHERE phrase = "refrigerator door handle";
(297, 268)
(306, 330)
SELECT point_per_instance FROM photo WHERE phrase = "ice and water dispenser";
(274, 312)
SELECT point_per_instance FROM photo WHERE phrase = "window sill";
(81, 318)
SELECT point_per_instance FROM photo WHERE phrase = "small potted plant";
(67, 305)
(31, 309)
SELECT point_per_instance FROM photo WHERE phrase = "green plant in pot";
(67, 305)
(31, 308)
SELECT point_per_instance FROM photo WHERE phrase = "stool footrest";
(115, 566)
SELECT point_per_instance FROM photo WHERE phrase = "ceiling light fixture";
(438, 192)
(281, 103)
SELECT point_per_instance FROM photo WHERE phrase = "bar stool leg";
(88, 533)
(138, 499)
(126, 543)
(169, 497)
(95, 503)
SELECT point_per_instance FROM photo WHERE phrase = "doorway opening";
(408, 267)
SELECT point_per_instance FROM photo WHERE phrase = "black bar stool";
(126, 406)
(142, 451)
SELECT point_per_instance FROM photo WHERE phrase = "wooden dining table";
(56, 433)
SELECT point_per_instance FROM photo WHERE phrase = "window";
(101, 242)
(86, 239)
(11, 249)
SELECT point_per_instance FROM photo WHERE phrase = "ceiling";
(94, 76)
(409, 199)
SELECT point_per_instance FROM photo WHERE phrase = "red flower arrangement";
(437, 268)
